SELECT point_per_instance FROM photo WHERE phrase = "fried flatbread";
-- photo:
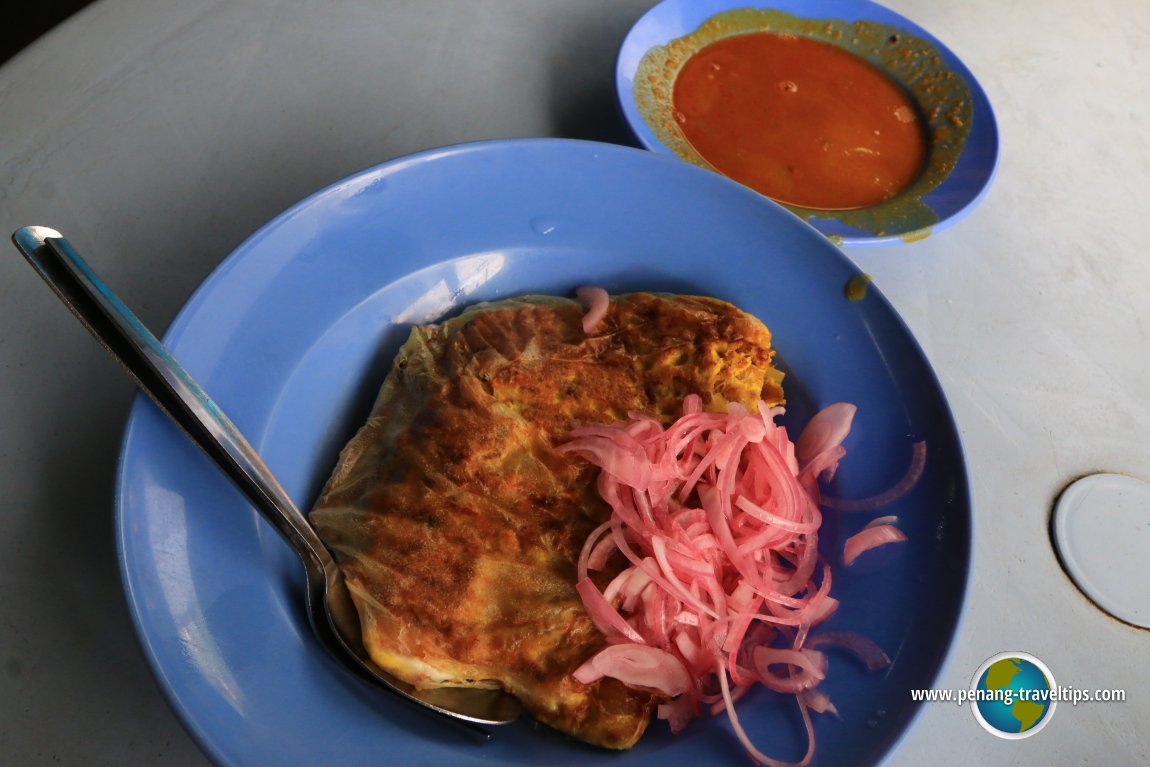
(457, 523)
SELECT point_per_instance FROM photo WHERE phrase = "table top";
(157, 136)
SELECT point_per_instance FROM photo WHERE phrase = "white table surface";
(157, 135)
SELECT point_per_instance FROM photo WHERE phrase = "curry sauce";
(801, 121)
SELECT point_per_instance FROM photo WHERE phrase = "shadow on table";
(583, 102)
(33, 21)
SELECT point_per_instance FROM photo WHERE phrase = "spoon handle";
(165, 381)
(330, 609)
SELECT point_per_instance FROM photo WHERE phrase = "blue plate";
(950, 201)
(294, 332)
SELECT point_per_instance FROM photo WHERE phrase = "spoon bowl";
(330, 610)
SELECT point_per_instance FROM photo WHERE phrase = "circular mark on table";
(1101, 531)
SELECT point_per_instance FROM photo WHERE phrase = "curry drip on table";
(457, 523)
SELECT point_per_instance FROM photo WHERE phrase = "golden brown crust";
(457, 523)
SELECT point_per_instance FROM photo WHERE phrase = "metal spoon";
(330, 611)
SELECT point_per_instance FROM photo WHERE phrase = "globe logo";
(1013, 695)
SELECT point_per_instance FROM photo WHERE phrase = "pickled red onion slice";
(597, 304)
(900, 488)
(869, 538)
(615, 452)
(639, 666)
(864, 648)
(812, 666)
(825, 431)
(819, 702)
(890, 519)
(605, 618)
